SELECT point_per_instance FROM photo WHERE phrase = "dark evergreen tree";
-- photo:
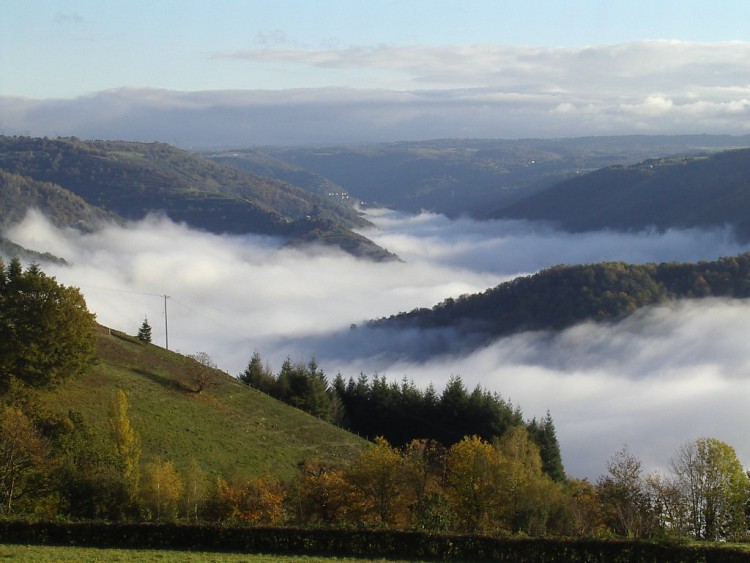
(318, 397)
(544, 435)
(144, 333)
(258, 376)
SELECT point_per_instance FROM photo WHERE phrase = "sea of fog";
(659, 378)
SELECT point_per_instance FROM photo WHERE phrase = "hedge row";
(350, 543)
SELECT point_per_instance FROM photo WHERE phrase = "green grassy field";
(45, 554)
(228, 428)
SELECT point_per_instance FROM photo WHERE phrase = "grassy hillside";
(704, 192)
(229, 428)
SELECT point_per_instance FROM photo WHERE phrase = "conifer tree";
(144, 333)
(257, 375)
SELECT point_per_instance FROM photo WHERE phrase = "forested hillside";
(474, 176)
(64, 208)
(700, 192)
(134, 179)
(564, 295)
(261, 164)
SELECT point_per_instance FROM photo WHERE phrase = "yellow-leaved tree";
(527, 494)
(323, 493)
(162, 489)
(475, 485)
(127, 448)
(24, 460)
(375, 477)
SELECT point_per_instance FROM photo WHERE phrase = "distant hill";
(559, 297)
(262, 164)
(229, 428)
(473, 176)
(64, 208)
(704, 191)
(134, 179)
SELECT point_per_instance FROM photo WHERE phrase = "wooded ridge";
(131, 179)
(558, 297)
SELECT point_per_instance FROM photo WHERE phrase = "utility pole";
(166, 323)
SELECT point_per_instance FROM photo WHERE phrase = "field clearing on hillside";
(229, 428)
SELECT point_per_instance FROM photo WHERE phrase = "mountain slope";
(473, 176)
(230, 429)
(564, 295)
(64, 208)
(133, 179)
(703, 192)
(261, 164)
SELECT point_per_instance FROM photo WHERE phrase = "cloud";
(464, 91)
(665, 376)
(68, 18)
(653, 381)
(617, 72)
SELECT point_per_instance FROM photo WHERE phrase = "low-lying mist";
(661, 377)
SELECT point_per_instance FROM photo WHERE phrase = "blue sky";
(362, 70)
(68, 48)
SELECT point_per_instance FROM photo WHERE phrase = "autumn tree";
(127, 446)
(626, 496)
(422, 485)
(580, 514)
(526, 492)
(323, 493)
(714, 487)
(670, 508)
(474, 479)
(254, 500)
(196, 487)
(162, 489)
(200, 372)
(46, 331)
(375, 476)
(24, 459)
(90, 476)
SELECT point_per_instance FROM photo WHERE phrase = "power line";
(166, 321)
(134, 292)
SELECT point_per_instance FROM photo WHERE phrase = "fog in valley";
(653, 381)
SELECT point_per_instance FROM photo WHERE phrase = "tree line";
(52, 467)
(400, 412)
(558, 297)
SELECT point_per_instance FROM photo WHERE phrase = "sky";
(299, 72)
(654, 381)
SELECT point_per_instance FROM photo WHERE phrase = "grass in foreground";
(52, 554)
